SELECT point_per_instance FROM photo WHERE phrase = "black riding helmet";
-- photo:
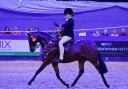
(68, 11)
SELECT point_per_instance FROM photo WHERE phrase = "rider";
(67, 32)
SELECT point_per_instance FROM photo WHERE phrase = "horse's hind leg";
(55, 66)
(97, 66)
(81, 71)
(44, 64)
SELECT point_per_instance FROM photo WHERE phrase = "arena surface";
(16, 74)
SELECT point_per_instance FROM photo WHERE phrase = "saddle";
(67, 45)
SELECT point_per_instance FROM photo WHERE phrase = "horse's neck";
(45, 36)
(42, 42)
(44, 39)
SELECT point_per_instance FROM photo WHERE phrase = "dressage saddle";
(67, 46)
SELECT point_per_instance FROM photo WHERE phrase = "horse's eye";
(30, 37)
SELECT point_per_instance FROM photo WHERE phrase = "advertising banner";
(113, 48)
(16, 48)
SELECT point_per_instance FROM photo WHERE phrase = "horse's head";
(37, 37)
(33, 40)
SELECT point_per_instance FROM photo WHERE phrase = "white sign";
(15, 46)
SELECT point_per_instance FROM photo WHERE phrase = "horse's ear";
(28, 34)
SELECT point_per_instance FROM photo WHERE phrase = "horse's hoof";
(67, 85)
(107, 85)
(29, 83)
(72, 85)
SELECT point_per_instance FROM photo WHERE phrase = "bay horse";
(81, 51)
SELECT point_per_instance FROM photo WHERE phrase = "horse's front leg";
(56, 69)
(44, 64)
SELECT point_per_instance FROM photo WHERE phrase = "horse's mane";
(52, 44)
(43, 35)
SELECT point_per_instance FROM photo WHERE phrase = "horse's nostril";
(32, 50)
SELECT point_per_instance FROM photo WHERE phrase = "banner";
(16, 48)
(107, 46)
(113, 48)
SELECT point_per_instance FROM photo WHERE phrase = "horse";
(80, 50)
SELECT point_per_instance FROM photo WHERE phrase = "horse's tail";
(102, 64)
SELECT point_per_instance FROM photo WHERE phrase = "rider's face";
(67, 16)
